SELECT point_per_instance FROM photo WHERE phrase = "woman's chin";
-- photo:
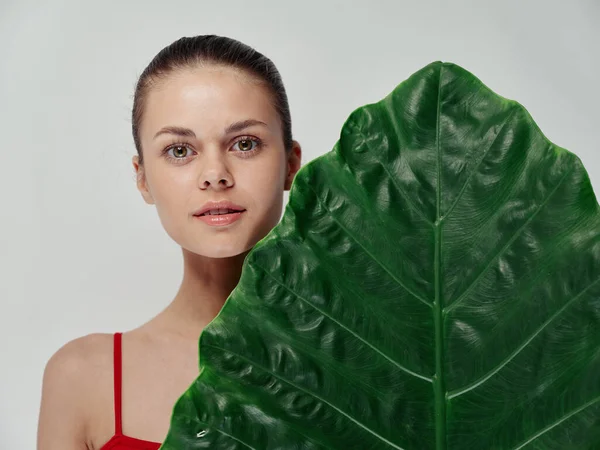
(216, 250)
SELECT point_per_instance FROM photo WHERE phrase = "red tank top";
(119, 441)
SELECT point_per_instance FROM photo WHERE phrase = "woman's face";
(190, 158)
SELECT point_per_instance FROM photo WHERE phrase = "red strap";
(117, 383)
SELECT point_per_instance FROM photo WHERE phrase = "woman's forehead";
(208, 97)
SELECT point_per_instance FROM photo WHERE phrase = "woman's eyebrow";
(179, 131)
(239, 126)
(186, 132)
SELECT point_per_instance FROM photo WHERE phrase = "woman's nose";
(215, 173)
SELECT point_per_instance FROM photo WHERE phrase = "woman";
(212, 128)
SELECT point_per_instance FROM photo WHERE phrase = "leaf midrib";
(439, 387)
(440, 395)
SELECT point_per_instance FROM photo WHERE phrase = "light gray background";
(81, 252)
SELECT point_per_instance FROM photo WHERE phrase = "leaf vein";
(556, 423)
(234, 438)
(394, 121)
(474, 170)
(507, 245)
(347, 329)
(397, 280)
(195, 419)
(306, 391)
(405, 196)
(491, 373)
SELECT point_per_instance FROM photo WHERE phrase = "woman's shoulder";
(80, 367)
(85, 354)
(76, 382)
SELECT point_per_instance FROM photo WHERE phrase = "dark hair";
(191, 51)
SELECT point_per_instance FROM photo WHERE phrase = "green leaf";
(433, 284)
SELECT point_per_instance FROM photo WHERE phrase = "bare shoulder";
(81, 356)
(73, 377)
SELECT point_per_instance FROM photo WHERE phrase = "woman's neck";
(206, 284)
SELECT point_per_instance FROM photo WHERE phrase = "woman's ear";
(141, 181)
(294, 162)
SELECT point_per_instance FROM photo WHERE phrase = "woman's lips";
(217, 220)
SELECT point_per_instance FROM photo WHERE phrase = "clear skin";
(161, 356)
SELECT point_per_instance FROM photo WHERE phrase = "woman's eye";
(179, 151)
(245, 145)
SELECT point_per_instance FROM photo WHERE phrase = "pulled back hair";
(188, 52)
